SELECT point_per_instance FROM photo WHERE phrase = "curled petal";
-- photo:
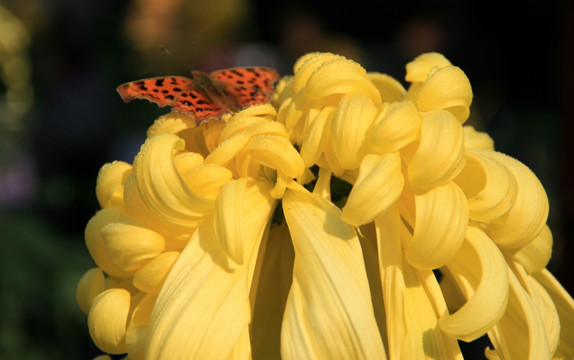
(477, 140)
(275, 152)
(109, 186)
(95, 242)
(523, 325)
(329, 312)
(307, 64)
(162, 188)
(484, 273)
(396, 126)
(151, 276)
(107, 320)
(565, 308)
(527, 216)
(316, 137)
(90, 285)
(378, 186)
(440, 227)
(173, 123)
(535, 255)
(391, 90)
(341, 77)
(424, 64)
(489, 187)
(440, 155)
(447, 89)
(238, 204)
(203, 307)
(129, 244)
(351, 121)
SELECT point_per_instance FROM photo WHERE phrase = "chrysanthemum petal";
(150, 277)
(91, 284)
(109, 186)
(161, 186)
(480, 265)
(234, 203)
(353, 117)
(341, 77)
(391, 90)
(422, 65)
(527, 216)
(440, 154)
(395, 127)
(520, 332)
(307, 64)
(274, 281)
(203, 307)
(95, 242)
(489, 187)
(565, 307)
(129, 245)
(275, 152)
(328, 312)
(378, 186)
(317, 136)
(411, 300)
(445, 88)
(173, 123)
(107, 320)
(440, 227)
(477, 140)
(535, 255)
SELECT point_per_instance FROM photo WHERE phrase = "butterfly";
(205, 96)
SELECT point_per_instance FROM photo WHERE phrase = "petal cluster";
(359, 220)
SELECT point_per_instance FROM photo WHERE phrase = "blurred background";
(61, 118)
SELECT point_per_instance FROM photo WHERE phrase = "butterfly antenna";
(165, 50)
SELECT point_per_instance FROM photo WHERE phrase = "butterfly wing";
(250, 86)
(179, 92)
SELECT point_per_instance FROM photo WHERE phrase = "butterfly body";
(205, 96)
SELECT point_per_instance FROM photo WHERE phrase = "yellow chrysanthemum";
(360, 220)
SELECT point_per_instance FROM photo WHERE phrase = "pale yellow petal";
(388, 230)
(95, 242)
(565, 307)
(395, 127)
(107, 320)
(128, 244)
(235, 207)
(535, 255)
(307, 65)
(162, 188)
(440, 227)
(173, 123)
(447, 89)
(109, 186)
(477, 140)
(391, 90)
(328, 312)
(422, 65)
(527, 216)
(485, 275)
(275, 277)
(349, 126)
(378, 186)
(489, 187)
(203, 308)
(317, 136)
(440, 154)
(91, 284)
(150, 277)
(520, 332)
